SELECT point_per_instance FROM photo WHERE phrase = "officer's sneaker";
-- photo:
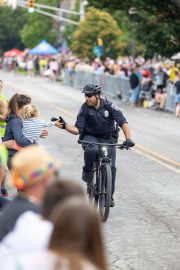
(90, 188)
(112, 202)
(87, 176)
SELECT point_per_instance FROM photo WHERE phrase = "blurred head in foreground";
(77, 235)
(58, 191)
(32, 169)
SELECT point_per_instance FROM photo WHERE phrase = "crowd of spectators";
(148, 78)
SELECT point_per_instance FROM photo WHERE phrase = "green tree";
(11, 22)
(155, 24)
(39, 27)
(36, 29)
(162, 36)
(97, 24)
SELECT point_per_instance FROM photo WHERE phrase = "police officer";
(96, 123)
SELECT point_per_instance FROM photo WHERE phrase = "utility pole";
(132, 12)
(83, 4)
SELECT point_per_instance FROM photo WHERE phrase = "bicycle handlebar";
(120, 146)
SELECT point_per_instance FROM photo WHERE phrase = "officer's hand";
(128, 143)
(62, 121)
(58, 124)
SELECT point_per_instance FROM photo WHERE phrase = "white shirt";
(32, 128)
(30, 64)
(44, 260)
(53, 65)
(31, 233)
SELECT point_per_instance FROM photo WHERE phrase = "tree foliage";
(155, 24)
(161, 35)
(36, 29)
(11, 23)
(97, 24)
(39, 27)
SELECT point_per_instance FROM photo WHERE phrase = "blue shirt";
(101, 121)
(14, 132)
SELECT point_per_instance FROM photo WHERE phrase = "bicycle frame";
(102, 183)
(102, 157)
(102, 152)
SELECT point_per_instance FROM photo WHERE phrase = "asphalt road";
(143, 230)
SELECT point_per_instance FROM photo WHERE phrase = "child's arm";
(52, 124)
(11, 144)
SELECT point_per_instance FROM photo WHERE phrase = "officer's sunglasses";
(89, 95)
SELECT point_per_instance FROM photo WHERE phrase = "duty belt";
(106, 136)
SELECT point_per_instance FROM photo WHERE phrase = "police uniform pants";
(90, 154)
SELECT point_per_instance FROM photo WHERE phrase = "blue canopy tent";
(43, 48)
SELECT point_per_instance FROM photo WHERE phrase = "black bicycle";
(100, 190)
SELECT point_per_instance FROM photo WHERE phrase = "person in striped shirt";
(32, 126)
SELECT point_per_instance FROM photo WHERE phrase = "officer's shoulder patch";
(115, 107)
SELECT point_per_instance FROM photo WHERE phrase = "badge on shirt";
(106, 113)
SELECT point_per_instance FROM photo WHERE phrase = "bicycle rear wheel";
(105, 191)
(96, 190)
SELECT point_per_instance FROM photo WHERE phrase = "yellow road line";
(157, 161)
(158, 155)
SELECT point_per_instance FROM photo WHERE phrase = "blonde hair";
(29, 111)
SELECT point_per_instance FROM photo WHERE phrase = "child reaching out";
(32, 126)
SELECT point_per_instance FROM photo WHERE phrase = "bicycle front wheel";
(105, 191)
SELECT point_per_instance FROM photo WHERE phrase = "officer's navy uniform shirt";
(101, 121)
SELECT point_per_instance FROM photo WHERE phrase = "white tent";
(176, 56)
